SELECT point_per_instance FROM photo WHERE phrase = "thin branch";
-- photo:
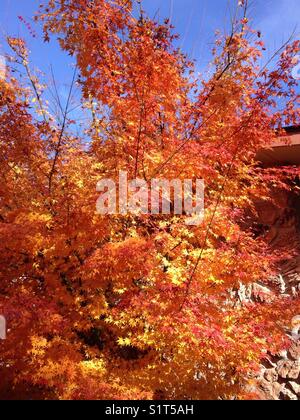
(57, 150)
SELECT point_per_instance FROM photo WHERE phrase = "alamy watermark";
(156, 197)
(2, 327)
(2, 67)
(296, 69)
(296, 327)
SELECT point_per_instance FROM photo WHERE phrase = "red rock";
(295, 388)
(288, 369)
(294, 351)
(286, 394)
(295, 371)
(261, 293)
(271, 375)
(268, 390)
(276, 389)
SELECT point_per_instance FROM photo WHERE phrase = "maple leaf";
(108, 307)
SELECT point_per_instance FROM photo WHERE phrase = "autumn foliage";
(138, 307)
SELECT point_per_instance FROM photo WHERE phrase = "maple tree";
(138, 306)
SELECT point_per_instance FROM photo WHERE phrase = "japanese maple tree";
(138, 306)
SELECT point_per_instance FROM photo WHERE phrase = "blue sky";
(195, 21)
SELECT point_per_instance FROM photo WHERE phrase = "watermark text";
(156, 197)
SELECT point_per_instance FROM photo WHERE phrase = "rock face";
(287, 369)
(295, 388)
(280, 375)
(280, 380)
(286, 394)
(271, 375)
(294, 351)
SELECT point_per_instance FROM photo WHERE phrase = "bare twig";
(57, 149)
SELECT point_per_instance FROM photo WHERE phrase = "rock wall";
(280, 375)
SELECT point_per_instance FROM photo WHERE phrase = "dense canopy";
(139, 306)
